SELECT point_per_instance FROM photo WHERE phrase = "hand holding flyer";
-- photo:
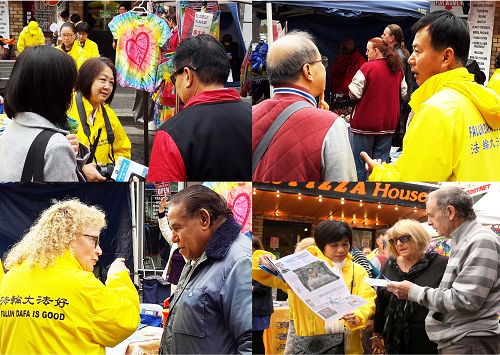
(315, 282)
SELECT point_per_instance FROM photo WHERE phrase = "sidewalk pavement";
(122, 104)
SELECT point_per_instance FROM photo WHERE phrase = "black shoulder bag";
(35, 159)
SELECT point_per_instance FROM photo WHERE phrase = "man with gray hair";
(462, 315)
(292, 139)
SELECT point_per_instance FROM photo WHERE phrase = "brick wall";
(258, 223)
(76, 7)
(15, 18)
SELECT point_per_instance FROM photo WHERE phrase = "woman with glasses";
(99, 127)
(69, 44)
(51, 302)
(399, 325)
(313, 335)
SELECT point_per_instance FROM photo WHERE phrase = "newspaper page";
(317, 285)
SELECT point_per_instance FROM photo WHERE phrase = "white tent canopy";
(488, 207)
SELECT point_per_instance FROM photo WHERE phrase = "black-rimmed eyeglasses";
(95, 238)
(175, 74)
(403, 239)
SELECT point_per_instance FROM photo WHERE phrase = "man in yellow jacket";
(454, 134)
(30, 36)
(89, 47)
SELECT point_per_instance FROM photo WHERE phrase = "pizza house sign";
(402, 194)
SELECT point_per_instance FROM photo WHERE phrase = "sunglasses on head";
(403, 239)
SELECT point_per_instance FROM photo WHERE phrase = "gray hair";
(456, 197)
(286, 68)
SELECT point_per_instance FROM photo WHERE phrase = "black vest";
(215, 140)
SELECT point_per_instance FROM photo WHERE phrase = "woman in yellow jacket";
(89, 47)
(51, 302)
(69, 44)
(99, 127)
(333, 240)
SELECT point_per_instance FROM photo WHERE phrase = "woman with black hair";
(99, 127)
(69, 44)
(313, 335)
(37, 98)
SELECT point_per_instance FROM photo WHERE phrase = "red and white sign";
(480, 189)
(163, 189)
(457, 7)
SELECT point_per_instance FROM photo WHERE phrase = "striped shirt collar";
(296, 91)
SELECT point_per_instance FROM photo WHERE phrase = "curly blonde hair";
(412, 228)
(54, 232)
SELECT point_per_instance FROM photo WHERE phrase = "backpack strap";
(273, 129)
(35, 159)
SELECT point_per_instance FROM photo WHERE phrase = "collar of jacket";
(294, 90)
(222, 239)
(314, 250)
(437, 83)
(67, 260)
(88, 107)
(486, 101)
(31, 119)
(213, 96)
(462, 232)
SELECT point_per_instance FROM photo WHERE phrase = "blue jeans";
(376, 146)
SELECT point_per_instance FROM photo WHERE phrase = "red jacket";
(342, 71)
(378, 91)
(313, 144)
(209, 140)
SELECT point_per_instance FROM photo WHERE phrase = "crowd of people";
(74, 135)
(432, 303)
(452, 127)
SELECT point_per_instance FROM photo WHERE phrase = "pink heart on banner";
(137, 48)
(241, 208)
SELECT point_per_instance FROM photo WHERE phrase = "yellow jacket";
(454, 134)
(90, 48)
(77, 53)
(63, 309)
(306, 322)
(28, 40)
(1, 272)
(121, 145)
(494, 83)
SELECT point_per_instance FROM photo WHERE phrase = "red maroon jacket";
(209, 140)
(378, 91)
(313, 145)
(342, 71)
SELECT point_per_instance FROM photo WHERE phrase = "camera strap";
(86, 129)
